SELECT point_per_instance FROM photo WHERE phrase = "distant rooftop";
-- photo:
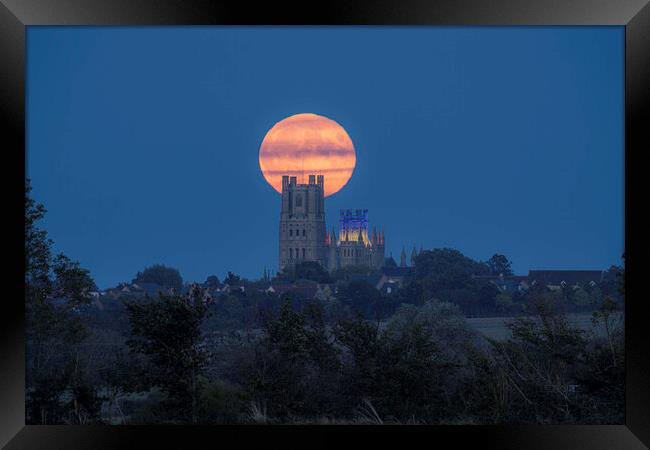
(570, 277)
(395, 271)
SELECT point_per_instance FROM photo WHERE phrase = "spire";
(374, 234)
(402, 258)
(420, 250)
(414, 254)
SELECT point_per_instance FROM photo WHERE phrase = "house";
(151, 289)
(388, 287)
(558, 279)
(228, 289)
(553, 279)
(506, 283)
(392, 278)
(137, 289)
(372, 279)
(325, 292)
(306, 291)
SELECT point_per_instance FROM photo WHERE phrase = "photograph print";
(324, 225)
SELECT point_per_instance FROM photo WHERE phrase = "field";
(495, 327)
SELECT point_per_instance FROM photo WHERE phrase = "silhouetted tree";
(55, 288)
(167, 331)
(499, 265)
(275, 378)
(160, 274)
(212, 281)
(363, 298)
(446, 269)
(348, 272)
(232, 279)
(311, 270)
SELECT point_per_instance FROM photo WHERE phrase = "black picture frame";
(634, 15)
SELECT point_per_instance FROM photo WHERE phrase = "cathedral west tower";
(302, 222)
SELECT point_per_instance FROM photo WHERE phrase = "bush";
(220, 402)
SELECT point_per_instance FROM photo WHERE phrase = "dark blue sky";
(143, 142)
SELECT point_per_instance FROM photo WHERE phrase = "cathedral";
(303, 235)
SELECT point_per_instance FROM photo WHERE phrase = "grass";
(495, 327)
(366, 414)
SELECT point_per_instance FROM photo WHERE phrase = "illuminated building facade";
(355, 246)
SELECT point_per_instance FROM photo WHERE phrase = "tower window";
(298, 200)
(290, 232)
(303, 232)
(290, 253)
(303, 253)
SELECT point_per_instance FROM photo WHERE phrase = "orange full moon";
(308, 144)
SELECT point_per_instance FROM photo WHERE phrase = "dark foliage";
(167, 331)
(362, 298)
(306, 270)
(549, 372)
(212, 282)
(353, 355)
(232, 279)
(161, 275)
(55, 288)
(499, 265)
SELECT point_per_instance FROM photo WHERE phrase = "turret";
(413, 255)
(285, 194)
(402, 258)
